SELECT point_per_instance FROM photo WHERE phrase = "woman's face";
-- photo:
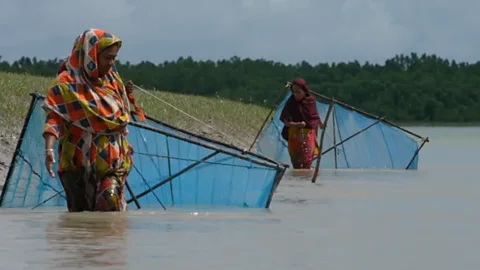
(106, 60)
(298, 93)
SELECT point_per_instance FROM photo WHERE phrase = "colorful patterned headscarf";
(81, 97)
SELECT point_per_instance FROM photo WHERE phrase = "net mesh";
(170, 169)
(352, 140)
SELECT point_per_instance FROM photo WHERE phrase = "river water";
(425, 219)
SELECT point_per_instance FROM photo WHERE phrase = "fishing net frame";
(332, 105)
(331, 110)
(182, 135)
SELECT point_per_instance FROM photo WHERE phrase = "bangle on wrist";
(49, 150)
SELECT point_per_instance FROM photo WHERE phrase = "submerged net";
(352, 140)
(171, 168)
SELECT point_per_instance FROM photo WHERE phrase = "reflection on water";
(87, 240)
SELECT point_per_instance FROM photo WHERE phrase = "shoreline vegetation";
(409, 89)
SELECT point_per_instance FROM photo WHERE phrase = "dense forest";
(407, 88)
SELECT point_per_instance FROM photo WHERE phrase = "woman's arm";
(50, 134)
(51, 129)
(50, 141)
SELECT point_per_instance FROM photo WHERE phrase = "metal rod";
(175, 175)
(279, 99)
(317, 167)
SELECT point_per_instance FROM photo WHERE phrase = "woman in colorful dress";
(88, 112)
(301, 120)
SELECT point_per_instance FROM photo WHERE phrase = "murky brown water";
(427, 219)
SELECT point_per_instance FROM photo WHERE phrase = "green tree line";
(405, 88)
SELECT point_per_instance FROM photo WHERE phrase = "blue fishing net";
(352, 140)
(172, 168)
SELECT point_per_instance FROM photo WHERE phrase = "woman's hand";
(50, 141)
(129, 87)
(130, 149)
(297, 124)
(321, 125)
(290, 124)
(49, 161)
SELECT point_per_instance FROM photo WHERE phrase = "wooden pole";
(134, 198)
(416, 153)
(317, 167)
(279, 99)
(335, 137)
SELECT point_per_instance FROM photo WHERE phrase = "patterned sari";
(302, 147)
(89, 115)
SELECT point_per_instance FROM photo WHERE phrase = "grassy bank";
(241, 121)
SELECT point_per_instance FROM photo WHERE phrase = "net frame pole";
(146, 183)
(169, 160)
(335, 136)
(351, 136)
(275, 106)
(416, 153)
(278, 178)
(173, 176)
(11, 166)
(133, 195)
(47, 200)
(317, 167)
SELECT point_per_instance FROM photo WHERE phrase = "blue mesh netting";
(197, 138)
(226, 178)
(381, 146)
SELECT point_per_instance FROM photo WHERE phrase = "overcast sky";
(280, 30)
